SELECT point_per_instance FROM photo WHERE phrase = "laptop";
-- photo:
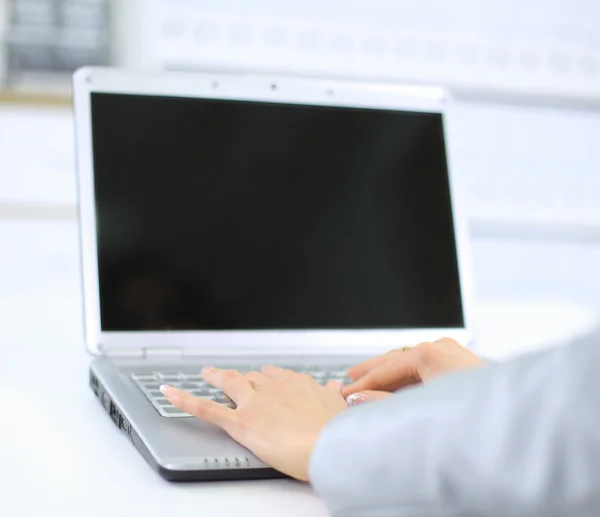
(237, 221)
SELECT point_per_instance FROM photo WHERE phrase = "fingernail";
(166, 390)
(356, 398)
(338, 385)
(207, 369)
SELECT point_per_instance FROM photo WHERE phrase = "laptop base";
(175, 475)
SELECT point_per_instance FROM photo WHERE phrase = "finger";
(275, 372)
(448, 341)
(233, 383)
(366, 396)
(257, 378)
(335, 384)
(201, 408)
(357, 371)
(397, 372)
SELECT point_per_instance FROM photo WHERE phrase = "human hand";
(279, 414)
(406, 367)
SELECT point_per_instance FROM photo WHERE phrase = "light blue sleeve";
(520, 438)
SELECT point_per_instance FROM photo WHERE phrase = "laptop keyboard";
(192, 382)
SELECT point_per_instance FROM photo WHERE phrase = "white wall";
(132, 39)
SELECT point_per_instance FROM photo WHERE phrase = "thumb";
(366, 396)
(395, 373)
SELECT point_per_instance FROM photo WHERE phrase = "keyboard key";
(151, 386)
(144, 377)
(162, 401)
(174, 377)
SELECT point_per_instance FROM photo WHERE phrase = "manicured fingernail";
(356, 398)
(207, 369)
(166, 390)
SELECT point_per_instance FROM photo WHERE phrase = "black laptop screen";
(228, 215)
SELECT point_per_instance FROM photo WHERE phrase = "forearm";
(519, 438)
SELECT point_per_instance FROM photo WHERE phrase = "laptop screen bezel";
(288, 90)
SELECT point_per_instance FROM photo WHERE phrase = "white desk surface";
(59, 450)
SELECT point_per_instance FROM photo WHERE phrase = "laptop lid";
(224, 213)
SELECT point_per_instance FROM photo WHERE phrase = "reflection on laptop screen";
(230, 215)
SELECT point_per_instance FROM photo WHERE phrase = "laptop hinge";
(124, 352)
(145, 353)
(171, 352)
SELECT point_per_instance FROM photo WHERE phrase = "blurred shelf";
(531, 229)
(43, 211)
(38, 88)
(9, 96)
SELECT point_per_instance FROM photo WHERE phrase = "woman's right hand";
(376, 377)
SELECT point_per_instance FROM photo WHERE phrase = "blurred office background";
(525, 140)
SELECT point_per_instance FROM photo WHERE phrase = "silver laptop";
(237, 221)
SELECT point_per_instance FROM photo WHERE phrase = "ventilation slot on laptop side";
(230, 462)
